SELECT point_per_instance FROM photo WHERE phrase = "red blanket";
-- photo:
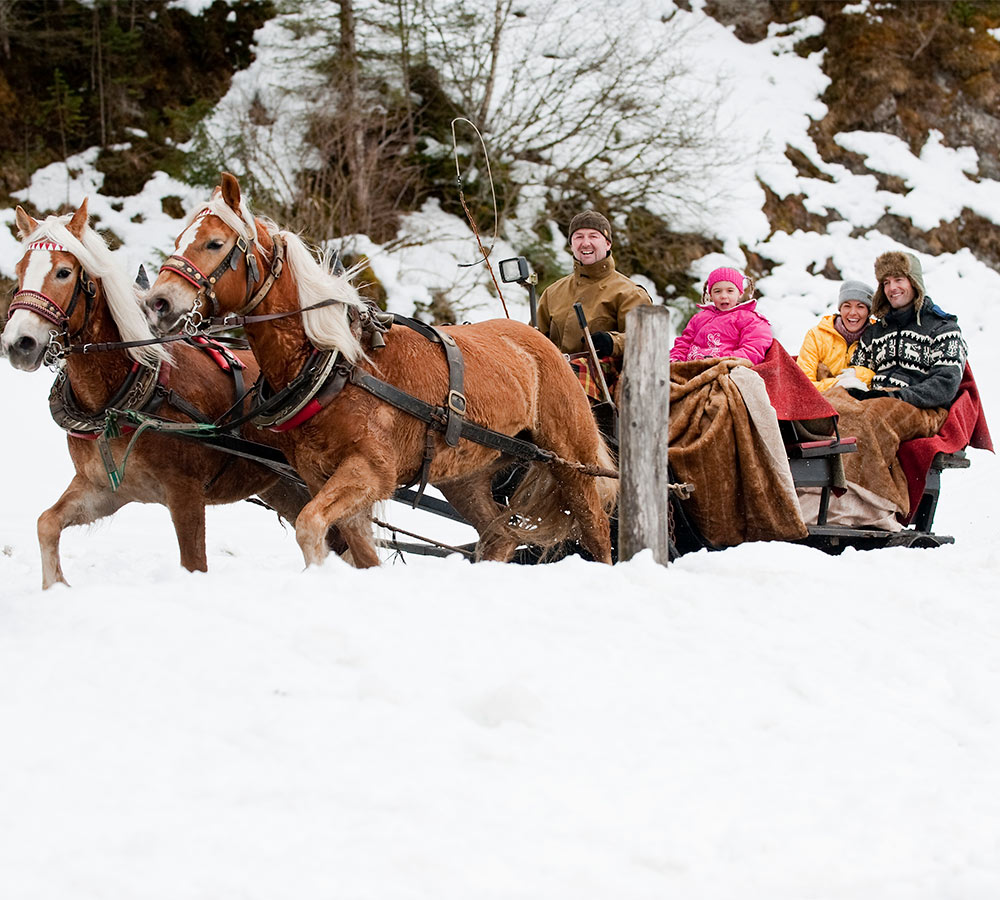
(964, 427)
(793, 396)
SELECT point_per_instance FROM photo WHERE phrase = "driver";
(606, 295)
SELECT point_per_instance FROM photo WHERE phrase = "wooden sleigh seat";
(812, 465)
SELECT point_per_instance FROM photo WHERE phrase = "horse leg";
(186, 502)
(345, 500)
(357, 534)
(80, 504)
(287, 498)
(472, 498)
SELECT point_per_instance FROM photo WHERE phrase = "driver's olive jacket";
(607, 297)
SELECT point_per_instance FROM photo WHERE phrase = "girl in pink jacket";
(728, 324)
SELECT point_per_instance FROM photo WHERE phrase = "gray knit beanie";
(855, 290)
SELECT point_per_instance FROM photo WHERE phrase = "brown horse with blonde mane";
(68, 281)
(353, 448)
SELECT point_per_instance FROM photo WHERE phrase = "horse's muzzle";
(160, 312)
(25, 353)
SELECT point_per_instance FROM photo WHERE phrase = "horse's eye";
(214, 245)
(64, 273)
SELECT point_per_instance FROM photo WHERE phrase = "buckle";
(191, 322)
(456, 402)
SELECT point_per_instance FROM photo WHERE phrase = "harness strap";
(425, 465)
(277, 265)
(455, 404)
(183, 406)
(435, 415)
(269, 457)
(228, 362)
(41, 305)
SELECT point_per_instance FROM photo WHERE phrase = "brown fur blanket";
(738, 495)
(881, 425)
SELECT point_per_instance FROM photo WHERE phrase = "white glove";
(848, 379)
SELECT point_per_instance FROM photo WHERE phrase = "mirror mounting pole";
(532, 299)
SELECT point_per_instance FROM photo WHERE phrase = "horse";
(68, 280)
(353, 448)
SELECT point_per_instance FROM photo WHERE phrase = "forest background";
(602, 122)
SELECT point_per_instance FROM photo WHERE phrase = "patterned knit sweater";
(920, 352)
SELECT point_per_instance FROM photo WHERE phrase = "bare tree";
(591, 114)
(593, 104)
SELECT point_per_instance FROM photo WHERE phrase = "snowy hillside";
(765, 722)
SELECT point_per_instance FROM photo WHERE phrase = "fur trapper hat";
(897, 263)
(590, 218)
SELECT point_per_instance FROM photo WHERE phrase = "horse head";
(226, 262)
(221, 240)
(67, 282)
(50, 285)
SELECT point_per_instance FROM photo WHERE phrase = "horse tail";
(538, 510)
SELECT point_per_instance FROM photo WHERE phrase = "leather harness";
(325, 374)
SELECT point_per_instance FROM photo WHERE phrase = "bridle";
(44, 306)
(206, 284)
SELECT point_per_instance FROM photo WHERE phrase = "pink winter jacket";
(711, 333)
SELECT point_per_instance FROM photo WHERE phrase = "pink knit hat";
(725, 274)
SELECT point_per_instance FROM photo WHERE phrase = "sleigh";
(816, 463)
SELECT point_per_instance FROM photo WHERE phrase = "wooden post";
(643, 503)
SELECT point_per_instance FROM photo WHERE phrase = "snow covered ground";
(765, 722)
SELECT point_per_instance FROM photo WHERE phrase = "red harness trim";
(38, 303)
(223, 358)
(304, 414)
(182, 273)
(46, 245)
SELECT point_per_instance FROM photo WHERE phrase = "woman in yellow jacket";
(826, 351)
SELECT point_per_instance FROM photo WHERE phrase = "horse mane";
(328, 328)
(119, 291)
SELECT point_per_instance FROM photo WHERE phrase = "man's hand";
(848, 379)
(604, 344)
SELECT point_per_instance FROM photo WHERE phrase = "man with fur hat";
(606, 295)
(914, 350)
(826, 351)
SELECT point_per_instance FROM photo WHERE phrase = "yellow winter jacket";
(825, 353)
(606, 295)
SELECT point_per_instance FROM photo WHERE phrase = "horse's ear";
(25, 224)
(231, 191)
(79, 221)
